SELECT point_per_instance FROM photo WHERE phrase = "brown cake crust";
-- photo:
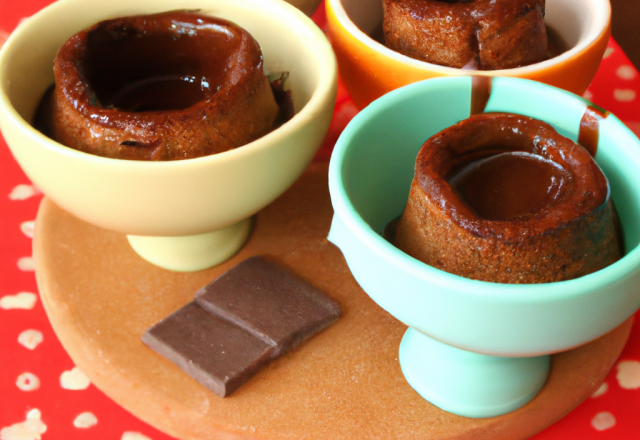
(473, 34)
(223, 99)
(574, 234)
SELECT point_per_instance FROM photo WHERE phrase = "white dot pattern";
(3, 37)
(22, 300)
(603, 421)
(30, 338)
(626, 72)
(628, 375)
(31, 429)
(85, 420)
(26, 264)
(624, 95)
(28, 382)
(74, 379)
(27, 228)
(601, 390)
(23, 192)
(132, 435)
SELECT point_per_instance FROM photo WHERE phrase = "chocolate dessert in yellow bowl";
(166, 126)
(489, 287)
(384, 44)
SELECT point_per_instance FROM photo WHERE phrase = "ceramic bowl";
(181, 215)
(475, 348)
(369, 69)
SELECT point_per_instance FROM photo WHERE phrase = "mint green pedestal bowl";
(475, 348)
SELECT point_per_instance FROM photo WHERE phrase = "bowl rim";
(402, 262)
(602, 25)
(320, 97)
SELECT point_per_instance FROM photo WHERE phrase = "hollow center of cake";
(509, 185)
(169, 92)
(140, 70)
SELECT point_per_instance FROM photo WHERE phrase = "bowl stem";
(466, 383)
(190, 253)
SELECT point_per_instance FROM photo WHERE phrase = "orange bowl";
(369, 69)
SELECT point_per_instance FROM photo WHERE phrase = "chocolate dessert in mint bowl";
(474, 347)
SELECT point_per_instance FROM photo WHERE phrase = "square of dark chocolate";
(269, 302)
(218, 354)
(248, 316)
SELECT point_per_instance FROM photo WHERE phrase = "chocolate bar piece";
(213, 351)
(270, 303)
(248, 316)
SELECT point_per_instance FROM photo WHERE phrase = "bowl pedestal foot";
(466, 383)
(190, 253)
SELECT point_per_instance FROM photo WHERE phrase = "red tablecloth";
(42, 395)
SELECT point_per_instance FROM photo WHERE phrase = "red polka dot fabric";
(44, 396)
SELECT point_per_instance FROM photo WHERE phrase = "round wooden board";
(344, 383)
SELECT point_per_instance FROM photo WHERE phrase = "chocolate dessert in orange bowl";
(489, 287)
(185, 214)
(385, 44)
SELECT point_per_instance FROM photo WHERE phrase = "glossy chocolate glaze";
(480, 93)
(506, 175)
(590, 128)
(509, 185)
(167, 61)
(167, 86)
